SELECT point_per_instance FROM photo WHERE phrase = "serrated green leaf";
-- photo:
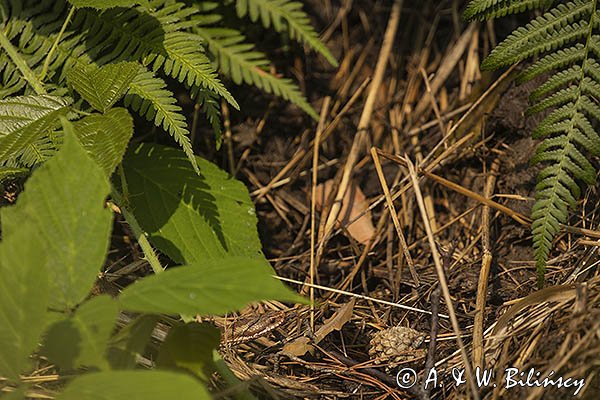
(134, 385)
(209, 287)
(67, 187)
(25, 119)
(130, 342)
(104, 4)
(103, 86)
(188, 216)
(190, 347)
(105, 137)
(81, 340)
(23, 294)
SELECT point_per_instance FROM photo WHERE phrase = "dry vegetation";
(450, 258)
(429, 105)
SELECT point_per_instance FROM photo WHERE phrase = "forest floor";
(452, 277)
(467, 134)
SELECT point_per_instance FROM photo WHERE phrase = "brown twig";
(442, 280)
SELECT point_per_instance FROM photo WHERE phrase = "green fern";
(238, 60)
(565, 37)
(285, 15)
(47, 41)
(149, 97)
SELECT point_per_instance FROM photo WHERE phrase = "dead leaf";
(353, 205)
(302, 345)
(336, 322)
(298, 347)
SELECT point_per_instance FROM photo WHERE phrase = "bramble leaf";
(134, 385)
(103, 86)
(23, 294)
(188, 216)
(67, 187)
(190, 347)
(208, 287)
(105, 137)
(81, 340)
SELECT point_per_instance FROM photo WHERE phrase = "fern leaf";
(485, 9)
(552, 61)
(210, 106)
(11, 172)
(556, 81)
(186, 62)
(21, 64)
(565, 37)
(238, 60)
(545, 33)
(157, 40)
(285, 15)
(559, 98)
(149, 97)
(37, 152)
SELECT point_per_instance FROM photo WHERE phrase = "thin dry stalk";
(360, 296)
(313, 202)
(394, 215)
(365, 118)
(447, 66)
(302, 153)
(442, 280)
(486, 263)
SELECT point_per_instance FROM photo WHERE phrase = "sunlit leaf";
(67, 188)
(190, 217)
(134, 385)
(103, 86)
(209, 287)
(105, 137)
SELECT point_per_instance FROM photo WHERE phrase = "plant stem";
(140, 235)
(21, 64)
(55, 44)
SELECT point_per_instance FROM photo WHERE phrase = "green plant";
(565, 38)
(64, 71)
(51, 46)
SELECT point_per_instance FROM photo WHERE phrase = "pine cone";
(395, 345)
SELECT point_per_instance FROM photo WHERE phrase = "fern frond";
(186, 62)
(556, 81)
(243, 64)
(559, 98)
(547, 32)
(565, 38)
(485, 9)
(552, 61)
(211, 108)
(148, 96)
(37, 152)
(158, 40)
(285, 15)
